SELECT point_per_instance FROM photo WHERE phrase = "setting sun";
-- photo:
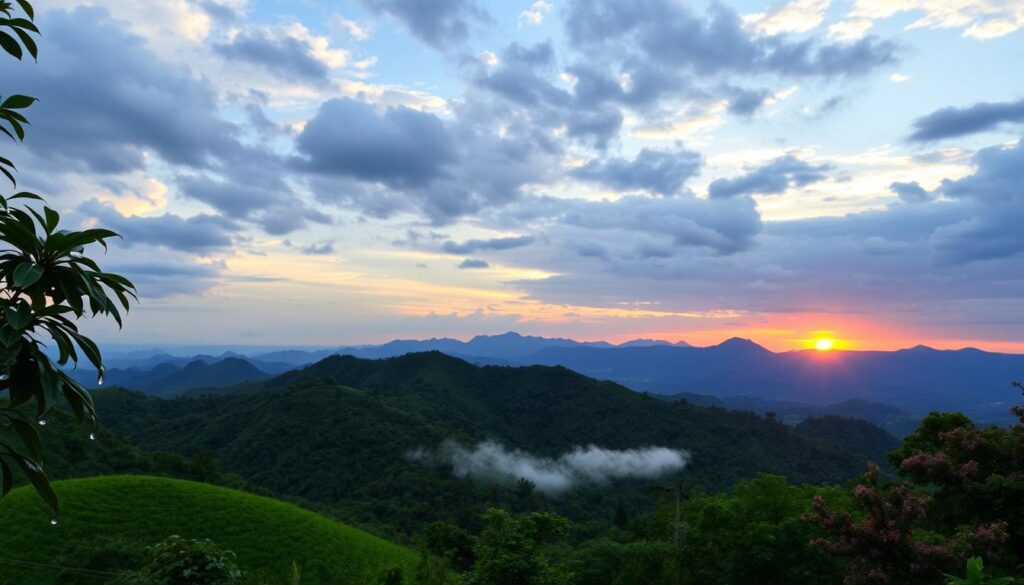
(823, 344)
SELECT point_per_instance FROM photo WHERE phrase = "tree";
(513, 550)
(184, 561)
(47, 281)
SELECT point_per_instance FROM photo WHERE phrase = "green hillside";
(266, 534)
(339, 434)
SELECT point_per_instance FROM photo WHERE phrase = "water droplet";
(92, 436)
(42, 422)
(53, 521)
(99, 378)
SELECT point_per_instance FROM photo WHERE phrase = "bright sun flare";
(823, 344)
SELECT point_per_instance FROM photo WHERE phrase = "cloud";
(483, 155)
(127, 102)
(324, 248)
(535, 13)
(473, 264)
(745, 102)
(797, 16)
(954, 122)
(979, 19)
(670, 34)
(911, 192)
(899, 78)
(199, 234)
(661, 172)
(438, 23)
(399, 147)
(285, 56)
(161, 276)
(772, 178)
(643, 224)
(493, 462)
(995, 201)
(473, 246)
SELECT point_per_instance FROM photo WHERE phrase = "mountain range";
(739, 372)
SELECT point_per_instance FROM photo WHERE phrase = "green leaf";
(10, 45)
(29, 436)
(26, 195)
(17, 102)
(29, 42)
(22, 23)
(38, 478)
(6, 478)
(9, 336)
(27, 274)
(52, 219)
(19, 316)
(27, 7)
(89, 347)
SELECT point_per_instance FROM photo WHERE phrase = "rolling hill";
(340, 433)
(266, 534)
(171, 379)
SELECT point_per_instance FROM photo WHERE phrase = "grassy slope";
(267, 535)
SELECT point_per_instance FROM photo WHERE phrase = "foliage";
(515, 550)
(46, 278)
(976, 476)
(365, 416)
(962, 495)
(186, 561)
(266, 534)
(884, 544)
(976, 575)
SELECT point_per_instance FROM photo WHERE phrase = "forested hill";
(340, 433)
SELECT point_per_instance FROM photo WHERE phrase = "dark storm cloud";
(473, 246)
(286, 57)
(200, 234)
(954, 122)
(399, 147)
(439, 23)
(126, 101)
(662, 172)
(772, 178)
(473, 264)
(670, 33)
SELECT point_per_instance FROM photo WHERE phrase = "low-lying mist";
(591, 464)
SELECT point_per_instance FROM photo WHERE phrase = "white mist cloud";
(591, 464)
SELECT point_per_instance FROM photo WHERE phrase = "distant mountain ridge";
(169, 379)
(916, 380)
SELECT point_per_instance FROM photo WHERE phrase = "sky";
(316, 172)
